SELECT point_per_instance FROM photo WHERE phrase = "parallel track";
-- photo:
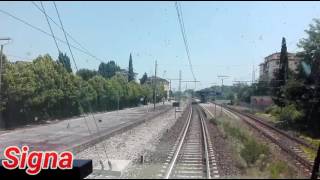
(289, 144)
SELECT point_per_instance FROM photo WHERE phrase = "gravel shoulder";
(130, 145)
(155, 159)
(222, 148)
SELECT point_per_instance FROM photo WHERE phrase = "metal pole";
(221, 95)
(118, 101)
(1, 51)
(154, 88)
(170, 91)
(179, 86)
(221, 86)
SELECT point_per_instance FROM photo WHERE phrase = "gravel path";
(131, 144)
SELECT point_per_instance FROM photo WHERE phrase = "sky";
(225, 38)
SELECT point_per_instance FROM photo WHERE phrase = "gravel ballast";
(131, 144)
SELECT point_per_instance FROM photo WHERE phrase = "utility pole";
(2, 124)
(170, 90)
(222, 77)
(180, 86)
(155, 85)
(118, 101)
(215, 94)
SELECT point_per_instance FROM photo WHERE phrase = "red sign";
(35, 161)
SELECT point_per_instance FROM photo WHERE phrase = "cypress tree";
(130, 72)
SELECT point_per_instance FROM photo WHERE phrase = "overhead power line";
(52, 33)
(184, 36)
(68, 34)
(64, 32)
(48, 34)
(94, 119)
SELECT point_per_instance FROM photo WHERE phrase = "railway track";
(192, 155)
(291, 145)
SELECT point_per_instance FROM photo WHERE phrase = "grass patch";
(252, 151)
(309, 152)
(234, 132)
(251, 156)
(267, 117)
(279, 169)
(310, 140)
(248, 148)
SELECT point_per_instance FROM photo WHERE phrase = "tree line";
(47, 89)
(296, 95)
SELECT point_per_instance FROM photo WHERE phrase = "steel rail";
(273, 128)
(303, 161)
(181, 139)
(205, 140)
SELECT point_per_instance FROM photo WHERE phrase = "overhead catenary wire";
(52, 33)
(184, 36)
(65, 36)
(98, 129)
(68, 34)
(48, 34)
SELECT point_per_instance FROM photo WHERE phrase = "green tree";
(130, 71)
(303, 89)
(284, 64)
(280, 77)
(86, 74)
(65, 61)
(99, 85)
(144, 78)
(41, 89)
(44, 89)
(108, 70)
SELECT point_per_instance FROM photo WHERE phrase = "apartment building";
(271, 64)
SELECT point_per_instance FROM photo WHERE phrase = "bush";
(269, 109)
(235, 132)
(290, 114)
(252, 151)
(273, 110)
(277, 169)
